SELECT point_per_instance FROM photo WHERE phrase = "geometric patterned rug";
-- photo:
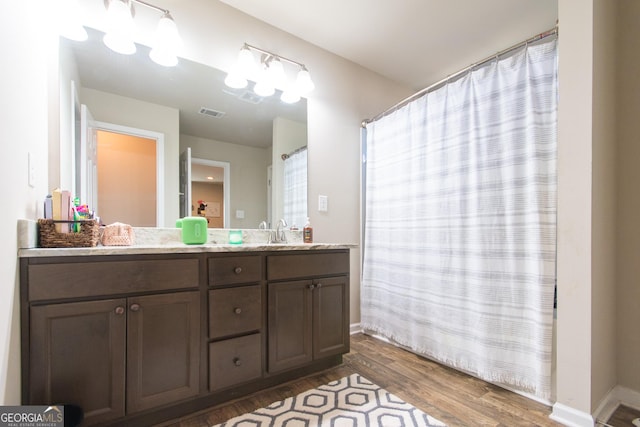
(351, 401)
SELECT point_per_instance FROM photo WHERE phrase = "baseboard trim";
(571, 417)
(355, 328)
(617, 396)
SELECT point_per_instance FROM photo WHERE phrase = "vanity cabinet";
(136, 339)
(112, 356)
(308, 316)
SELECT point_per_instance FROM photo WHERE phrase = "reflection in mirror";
(192, 108)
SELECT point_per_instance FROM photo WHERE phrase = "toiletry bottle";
(307, 232)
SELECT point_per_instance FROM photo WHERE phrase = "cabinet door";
(163, 349)
(330, 316)
(77, 356)
(289, 327)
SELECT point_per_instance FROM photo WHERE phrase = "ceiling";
(414, 42)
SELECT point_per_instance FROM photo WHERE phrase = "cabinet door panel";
(163, 344)
(289, 327)
(78, 355)
(330, 316)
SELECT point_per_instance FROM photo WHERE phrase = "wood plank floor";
(449, 395)
(623, 417)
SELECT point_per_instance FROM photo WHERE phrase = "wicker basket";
(88, 235)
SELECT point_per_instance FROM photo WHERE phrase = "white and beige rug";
(349, 402)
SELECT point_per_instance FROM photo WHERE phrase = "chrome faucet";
(278, 236)
(262, 225)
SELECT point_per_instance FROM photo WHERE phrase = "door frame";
(159, 138)
(226, 185)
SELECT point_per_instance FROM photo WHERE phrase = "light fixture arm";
(159, 9)
(144, 3)
(269, 55)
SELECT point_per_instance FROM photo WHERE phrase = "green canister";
(194, 230)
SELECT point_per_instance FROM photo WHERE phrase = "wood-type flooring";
(451, 396)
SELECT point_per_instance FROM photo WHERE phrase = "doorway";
(211, 191)
(130, 184)
(126, 179)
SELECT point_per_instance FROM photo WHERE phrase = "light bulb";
(167, 42)
(119, 37)
(264, 86)
(290, 96)
(235, 79)
(246, 64)
(304, 82)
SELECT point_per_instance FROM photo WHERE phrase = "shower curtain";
(295, 188)
(460, 221)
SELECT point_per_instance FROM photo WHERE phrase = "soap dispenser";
(307, 232)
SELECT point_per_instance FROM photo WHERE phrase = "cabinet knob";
(318, 285)
(237, 361)
(237, 270)
(237, 310)
(119, 310)
(311, 286)
(135, 307)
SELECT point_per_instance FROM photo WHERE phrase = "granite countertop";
(150, 240)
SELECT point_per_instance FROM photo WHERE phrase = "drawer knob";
(135, 307)
(237, 270)
(237, 361)
(237, 310)
(119, 310)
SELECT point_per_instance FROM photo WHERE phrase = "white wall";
(23, 130)
(603, 246)
(628, 219)
(587, 209)
(574, 206)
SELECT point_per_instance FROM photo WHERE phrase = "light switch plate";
(239, 214)
(323, 203)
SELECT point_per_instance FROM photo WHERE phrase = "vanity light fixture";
(119, 37)
(269, 75)
(121, 28)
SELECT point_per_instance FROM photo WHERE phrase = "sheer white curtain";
(459, 254)
(295, 188)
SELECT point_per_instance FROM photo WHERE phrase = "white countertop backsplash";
(152, 240)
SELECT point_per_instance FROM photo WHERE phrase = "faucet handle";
(262, 225)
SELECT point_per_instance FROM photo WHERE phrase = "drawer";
(307, 265)
(234, 310)
(84, 279)
(234, 270)
(234, 361)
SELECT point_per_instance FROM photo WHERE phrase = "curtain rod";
(296, 151)
(430, 88)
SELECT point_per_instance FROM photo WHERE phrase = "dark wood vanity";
(138, 339)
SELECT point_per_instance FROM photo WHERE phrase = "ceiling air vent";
(211, 112)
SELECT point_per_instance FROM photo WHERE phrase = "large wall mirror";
(239, 142)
